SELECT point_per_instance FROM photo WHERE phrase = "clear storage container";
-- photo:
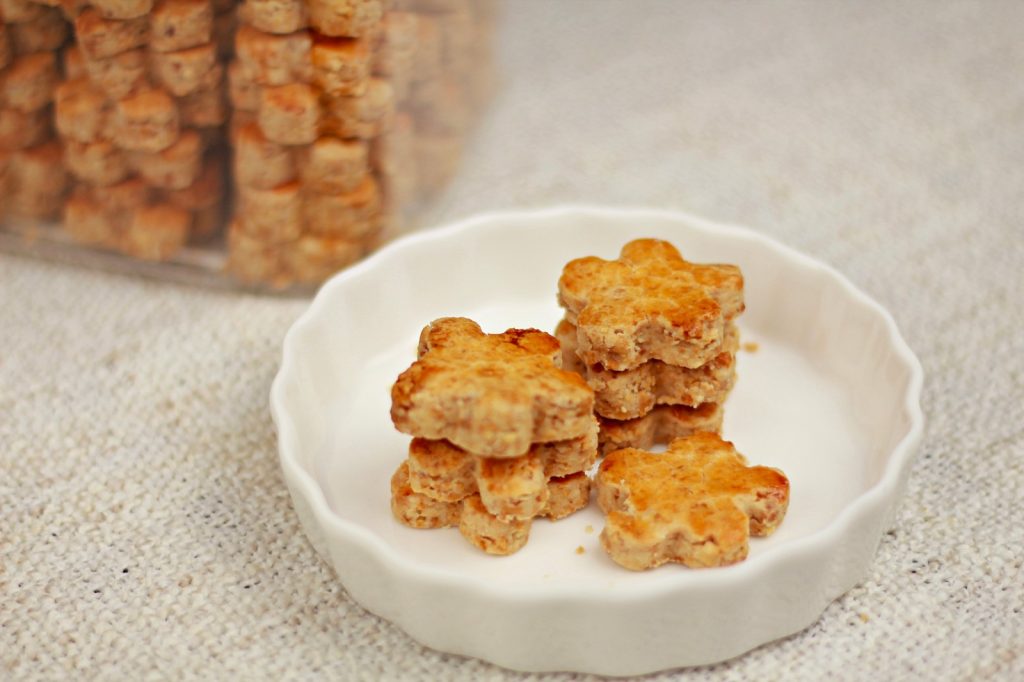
(265, 143)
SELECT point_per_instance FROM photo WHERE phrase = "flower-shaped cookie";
(632, 393)
(650, 304)
(564, 494)
(696, 504)
(510, 487)
(493, 395)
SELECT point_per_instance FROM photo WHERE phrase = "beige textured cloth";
(144, 528)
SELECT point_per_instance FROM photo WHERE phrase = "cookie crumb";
(864, 617)
(750, 346)
(588, 529)
(580, 550)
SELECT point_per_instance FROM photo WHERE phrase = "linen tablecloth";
(145, 531)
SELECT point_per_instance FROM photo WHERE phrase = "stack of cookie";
(32, 177)
(344, 115)
(502, 435)
(306, 105)
(654, 336)
(139, 115)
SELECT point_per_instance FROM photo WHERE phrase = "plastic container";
(266, 143)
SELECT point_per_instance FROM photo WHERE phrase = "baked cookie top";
(492, 395)
(649, 304)
(695, 504)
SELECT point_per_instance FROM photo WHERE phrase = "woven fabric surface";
(145, 531)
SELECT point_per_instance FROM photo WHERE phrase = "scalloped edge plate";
(831, 396)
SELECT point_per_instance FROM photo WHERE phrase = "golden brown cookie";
(29, 83)
(99, 163)
(440, 470)
(180, 24)
(206, 191)
(270, 59)
(350, 215)
(567, 495)
(417, 510)
(649, 304)
(445, 471)
(341, 66)
(272, 216)
(146, 122)
(312, 258)
(351, 18)
(120, 75)
(81, 111)
(251, 259)
(491, 394)
(512, 488)
(101, 38)
(37, 180)
(333, 166)
(122, 9)
(493, 535)
(695, 504)
(489, 533)
(17, 11)
(243, 90)
(183, 72)
(122, 196)
(87, 222)
(289, 114)
(482, 529)
(275, 16)
(175, 167)
(46, 33)
(659, 426)
(258, 162)
(634, 392)
(363, 116)
(156, 232)
(204, 108)
(21, 130)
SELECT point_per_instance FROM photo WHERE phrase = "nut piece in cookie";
(650, 304)
(491, 394)
(696, 504)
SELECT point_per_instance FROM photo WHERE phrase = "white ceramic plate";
(831, 396)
